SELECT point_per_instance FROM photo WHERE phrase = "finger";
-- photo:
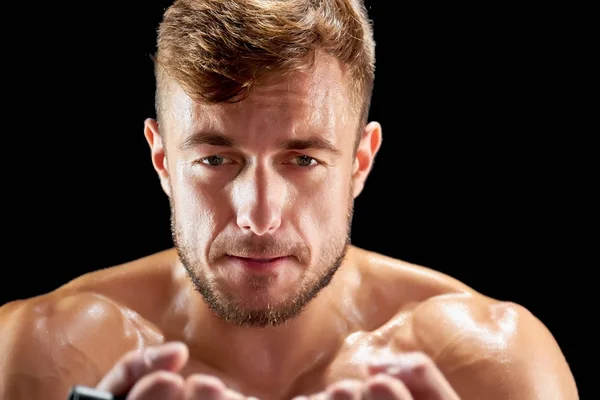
(135, 364)
(385, 387)
(204, 387)
(347, 389)
(159, 385)
(420, 375)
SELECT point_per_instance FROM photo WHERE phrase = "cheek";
(197, 207)
(325, 209)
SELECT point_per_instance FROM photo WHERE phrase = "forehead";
(315, 99)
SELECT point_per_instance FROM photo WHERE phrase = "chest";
(349, 361)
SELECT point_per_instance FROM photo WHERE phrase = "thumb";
(134, 365)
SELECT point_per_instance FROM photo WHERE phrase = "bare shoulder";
(492, 349)
(51, 342)
(71, 335)
(487, 348)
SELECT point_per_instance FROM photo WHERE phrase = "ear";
(157, 149)
(365, 155)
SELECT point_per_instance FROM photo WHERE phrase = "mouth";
(258, 263)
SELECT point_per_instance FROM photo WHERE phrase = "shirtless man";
(261, 144)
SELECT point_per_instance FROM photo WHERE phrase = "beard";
(260, 311)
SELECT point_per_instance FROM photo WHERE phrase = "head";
(261, 143)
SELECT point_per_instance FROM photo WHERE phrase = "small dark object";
(88, 393)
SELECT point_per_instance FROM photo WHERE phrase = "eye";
(305, 161)
(215, 161)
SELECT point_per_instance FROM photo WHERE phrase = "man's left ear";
(365, 155)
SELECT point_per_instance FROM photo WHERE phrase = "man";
(261, 144)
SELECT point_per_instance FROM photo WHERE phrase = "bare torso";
(388, 306)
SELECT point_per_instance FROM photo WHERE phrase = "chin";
(258, 306)
(258, 310)
(259, 293)
(260, 303)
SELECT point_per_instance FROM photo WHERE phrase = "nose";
(260, 198)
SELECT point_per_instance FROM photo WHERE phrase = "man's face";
(261, 191)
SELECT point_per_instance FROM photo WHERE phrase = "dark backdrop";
(470, 179)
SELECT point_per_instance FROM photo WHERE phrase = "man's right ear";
(157, 149)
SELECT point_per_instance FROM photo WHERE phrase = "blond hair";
(216, 50)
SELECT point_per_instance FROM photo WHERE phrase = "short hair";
(216, 50)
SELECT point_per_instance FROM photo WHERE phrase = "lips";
(260, 260)
(257, 257)
(258, 263)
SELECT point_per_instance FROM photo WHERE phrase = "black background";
(472, 178)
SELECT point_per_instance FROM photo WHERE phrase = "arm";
(493, 350)
(51, 343)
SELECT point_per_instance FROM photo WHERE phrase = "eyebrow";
(217, 139)
(210, 138)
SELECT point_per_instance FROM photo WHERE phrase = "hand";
(409, 376)
(153, 373)
(206, 387)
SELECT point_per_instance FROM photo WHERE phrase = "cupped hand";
(153, 373)
(408, 376)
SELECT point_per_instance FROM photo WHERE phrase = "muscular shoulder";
(72, 335)
(487, 348)
(492, 349)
